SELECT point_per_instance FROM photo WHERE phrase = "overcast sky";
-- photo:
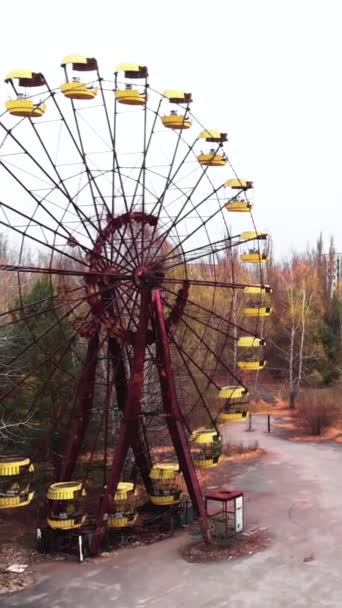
(266, 71)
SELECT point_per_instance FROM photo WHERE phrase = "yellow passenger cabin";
(250, 342)
(130, 96)
(238, 205)
(166, 490)
(257, 311)
(233, 392)
(15, 482)
(206, 447)
(253, 256)
(74, 88)
(256, 290)
(253, 235)
(212, 159)
(65, 508)
(252, 365)
(78, 90)
(176, 121)
(124, 513)
(213, 136)
(239, 184)
(24, 105)
(132, 70)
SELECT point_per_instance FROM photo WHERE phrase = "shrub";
(317, 411)
(231, 449)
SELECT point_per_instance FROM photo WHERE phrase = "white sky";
(266, 71)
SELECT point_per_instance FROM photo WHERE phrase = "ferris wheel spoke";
(142, 171)
(197, 389)
(168, 181)
(44, 227)
(40, 242)
(38, 202)
(196, 319)
(188, 198)
(145, 153)
(62, 271)
(90, 177)
(44, 333)
(56, 185)
(200, 227)
(79, 149)
(209, 349)
(34, 314)
(57, 362)
(193, 362)
(30, 304)
(211, 311)
(115, 165)
(206, 283)
(205, 251)
(25, 377)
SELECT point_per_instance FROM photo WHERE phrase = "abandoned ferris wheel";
(130, 210)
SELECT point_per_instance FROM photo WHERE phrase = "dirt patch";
(242, 545)
(18, 556)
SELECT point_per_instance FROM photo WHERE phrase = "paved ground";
(297, 492)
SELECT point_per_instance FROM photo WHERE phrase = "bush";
(231, 449)
(317, 411)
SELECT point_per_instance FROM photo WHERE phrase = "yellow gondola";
(26, 78)
(239, 184)
(254, 257)
(208, 447)
(212, 159)
(75, 89)
(252, 234)
(239, 206)
(213, 136)
(78, 90)
(166, 491)
(15, 480)
(64, 509)
(177, 96)
(252, 365)
(176, 121)
(24, 107)
(257, 290)
(257, 311)
(231, 417)
(80, 63)
(130, 96)
(250, 342)
(233, 392)
(124, 503)
(132, 70)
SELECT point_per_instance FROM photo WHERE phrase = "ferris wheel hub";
(147, 277)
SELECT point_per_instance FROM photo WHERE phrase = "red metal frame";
(82, 413)
(151, 310)
(129, 427)
(174, 416)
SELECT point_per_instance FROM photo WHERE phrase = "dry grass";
(317, 411)
(234, 449)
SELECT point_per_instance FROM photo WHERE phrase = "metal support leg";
(129, 425)
(142, 457)
(174, 417)
(84, 402)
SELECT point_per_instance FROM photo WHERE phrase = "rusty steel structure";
(113, 207)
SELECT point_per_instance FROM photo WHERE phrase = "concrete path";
(295, 490)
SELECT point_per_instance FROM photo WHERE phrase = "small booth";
(224, 510)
